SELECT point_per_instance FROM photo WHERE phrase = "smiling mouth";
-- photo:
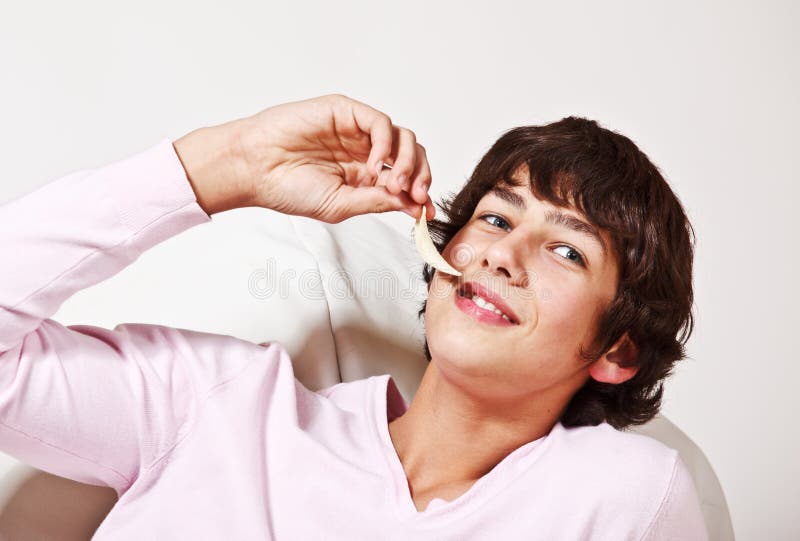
(482, 310)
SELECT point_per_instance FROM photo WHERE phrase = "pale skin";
(488, 389)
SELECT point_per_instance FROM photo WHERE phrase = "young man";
(585, 255)
(211, 437)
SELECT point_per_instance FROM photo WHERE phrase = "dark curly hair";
(576, 163)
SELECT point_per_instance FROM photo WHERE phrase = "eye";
(572, 254)
(576, 257)
(500, 220)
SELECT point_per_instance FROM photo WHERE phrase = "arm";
(72, 398)
(97, 405)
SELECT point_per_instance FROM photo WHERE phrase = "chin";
(454, 355)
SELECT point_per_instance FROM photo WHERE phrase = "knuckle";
(409, 135)
(406, 166)
(340, 101)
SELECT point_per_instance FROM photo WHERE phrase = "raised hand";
(322, 158)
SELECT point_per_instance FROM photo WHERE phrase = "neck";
(450, 437)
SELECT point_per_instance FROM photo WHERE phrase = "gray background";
(707, 89)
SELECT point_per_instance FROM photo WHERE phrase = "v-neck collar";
(387, 405)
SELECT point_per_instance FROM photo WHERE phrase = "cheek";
(565, 310)
(444, 338)
(462, 250)
(570, 321)
(439, 290)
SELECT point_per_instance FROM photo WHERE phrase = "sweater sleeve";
(87, 403)
(680, 516)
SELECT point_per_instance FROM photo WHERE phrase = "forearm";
(83, 228)
(212, 160)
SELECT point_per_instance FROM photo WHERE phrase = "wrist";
(209, 159)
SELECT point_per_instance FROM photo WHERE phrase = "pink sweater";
(211, 437)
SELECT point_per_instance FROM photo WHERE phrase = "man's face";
(554, 279)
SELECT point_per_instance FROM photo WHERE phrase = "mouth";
(484, 305)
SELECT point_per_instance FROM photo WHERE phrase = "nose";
(506, 257)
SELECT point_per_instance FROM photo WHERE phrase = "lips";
(473, 288)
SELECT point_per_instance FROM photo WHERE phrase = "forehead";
(517, 189)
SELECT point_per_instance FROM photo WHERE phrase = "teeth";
(486, 305)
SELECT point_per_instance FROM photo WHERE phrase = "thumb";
(368, 199)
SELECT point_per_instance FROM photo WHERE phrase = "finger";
(368, 199)
(430, 209)
(421, 181)
(384, 180)
(414, 209)
(405, 156)
(379, 127)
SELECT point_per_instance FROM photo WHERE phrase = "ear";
(618, 364)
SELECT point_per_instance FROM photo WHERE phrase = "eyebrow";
(553, 217)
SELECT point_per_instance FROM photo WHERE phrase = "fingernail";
(379, 168)
(401, 181)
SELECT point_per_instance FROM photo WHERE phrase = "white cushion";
(373, 282)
